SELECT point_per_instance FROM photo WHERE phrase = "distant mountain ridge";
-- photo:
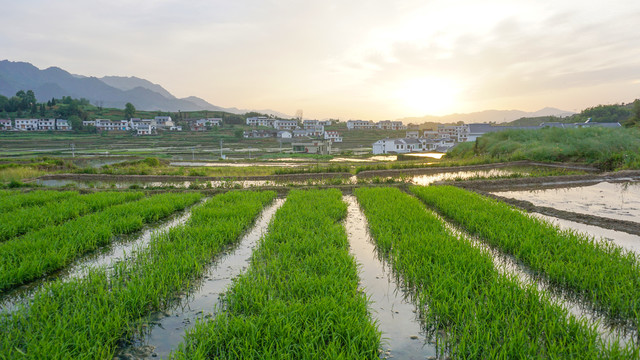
(497, 116)
(108, 91)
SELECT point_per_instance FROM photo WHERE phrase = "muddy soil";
(437, 169)
(547, 182)
(629, 227)
(171, 178)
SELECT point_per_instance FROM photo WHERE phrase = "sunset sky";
(374, 59)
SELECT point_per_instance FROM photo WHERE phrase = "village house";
(285, 124)
(5, 125)
(397, 146)
(26, 124)
(360, 125)
(46, 124)
(284, 135)
(63, 125)
(413, 134)
(163, 122)
(313, 147)
(391, 125)
(333, 136)
(204, 123)
(111, 125)
(145, 129)
(258, 134)
(260, 121)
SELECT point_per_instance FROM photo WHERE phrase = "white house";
(310, 123)
(413, 134)
(5, 124)
(164, 121)
(284, 135)
(46, 124)
(260, 121)
(397, 146)
(285, 124)
(27, 124)
(333, 136)
(88, 123)
(145, 130)
(63, 125)
(112, 125)
(391, 125)
(459, 133)
(360, 125)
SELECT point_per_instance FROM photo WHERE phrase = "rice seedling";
(299, 299)
(85, 318)
(21, 221)
(601, 272)
(12, 200)
(41, 252)
(469, 307)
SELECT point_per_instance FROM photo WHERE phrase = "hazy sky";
(374, 59)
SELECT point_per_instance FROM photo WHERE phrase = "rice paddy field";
(407, 272)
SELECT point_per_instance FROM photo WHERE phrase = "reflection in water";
(431, 178)
(619, 201)
(166, 330)
(627, 241)
(395, 313)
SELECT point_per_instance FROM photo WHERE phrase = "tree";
(129, 111)
(634, 120)
(76, 122)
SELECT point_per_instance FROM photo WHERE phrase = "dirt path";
(171, 178)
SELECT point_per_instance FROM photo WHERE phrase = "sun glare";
(426, 96)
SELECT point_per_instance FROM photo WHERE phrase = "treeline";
(24, 104)
(625, 114)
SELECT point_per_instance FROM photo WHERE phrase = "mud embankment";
(172, 178)
(546, 182)
(447, 169)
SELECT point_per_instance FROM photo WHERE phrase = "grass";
(299, 299)
(472, 309)
(85, 318)
(605, 148)
(41, 252)
(600, 272)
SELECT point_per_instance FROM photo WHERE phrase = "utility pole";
(221, 156)
(73, 150)
(193, 153)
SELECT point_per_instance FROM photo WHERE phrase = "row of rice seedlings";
(299, 299)
(85, 318)
(41, 252)
(11, 200)
(600, 271)
(21, 221)
(476, 311)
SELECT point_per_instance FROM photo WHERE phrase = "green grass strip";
(41, 252)
(10, 200)
(485, 314)
(299, 299)
(21, 221)
(599, 271)
(85, 318)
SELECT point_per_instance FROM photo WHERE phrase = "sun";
(426, 96)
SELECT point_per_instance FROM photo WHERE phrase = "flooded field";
(627, 241)
(391, 305)
(165, 331)
(460, 175)
(620, 201)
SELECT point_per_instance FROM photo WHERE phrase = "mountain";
(497, 116)
(108, 91)
(132, 82)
